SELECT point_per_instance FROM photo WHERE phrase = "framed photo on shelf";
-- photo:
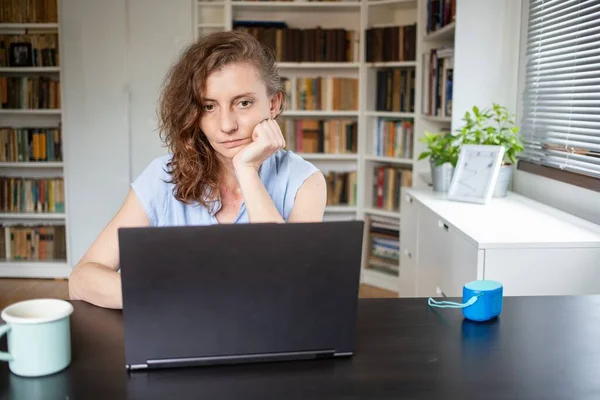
(21, 54)
(476, 173)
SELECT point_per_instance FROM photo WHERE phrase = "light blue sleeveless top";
(282, 174)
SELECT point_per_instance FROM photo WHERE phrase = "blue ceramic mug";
(39, 336)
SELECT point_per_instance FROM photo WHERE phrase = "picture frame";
(20, 54)
(476, 173)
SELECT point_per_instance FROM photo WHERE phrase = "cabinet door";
(147, 69)
(446, 259)
(545, 271)
(93, 51)
(408, 246)
(430, 251)
(462, 262)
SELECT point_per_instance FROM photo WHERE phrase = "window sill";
(586, 182)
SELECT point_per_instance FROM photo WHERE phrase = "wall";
(114, 55)
(575, 200)
(581, 202)
(96, 144)
(157, 33)
(486, 54)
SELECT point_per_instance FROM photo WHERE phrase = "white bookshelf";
(33, 26)
(32, 216)
(32, 165)
(380, 279)
(300, 14)
(298, 6)
(341, 209)
(391, 64)
(391, 114)
(360, 16)
(320, 114)
(435, 118)
(30, 111)
(410, 4)
(445, 33)
(19, 70)
(389, 160)
(440, 38)
(328, 156)
(318, 65)
(33, 118)
(392, 215)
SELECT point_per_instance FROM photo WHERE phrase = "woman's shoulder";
(158, 167)
(285, 172)
(287, 164)
(152, 186)
(283, 176)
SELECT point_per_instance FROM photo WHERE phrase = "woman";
(217, 117)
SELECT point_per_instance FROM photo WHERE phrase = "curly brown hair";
(194, 167)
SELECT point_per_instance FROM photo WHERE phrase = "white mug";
(39, 336)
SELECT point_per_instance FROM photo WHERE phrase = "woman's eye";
(208, 107)
(245, 103)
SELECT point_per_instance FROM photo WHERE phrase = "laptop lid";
(239, 292)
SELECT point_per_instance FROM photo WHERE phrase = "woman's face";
(234, 102)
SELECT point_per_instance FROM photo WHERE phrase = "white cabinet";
(408, 245)
(430, 255)
(532, 249)
(151, 52)
(461, 261)
(95, 116)
(568, 271)
(446, 260)
(114, 63)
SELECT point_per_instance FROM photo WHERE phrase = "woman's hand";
(266, 140)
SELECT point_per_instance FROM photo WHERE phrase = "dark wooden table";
(539, 348)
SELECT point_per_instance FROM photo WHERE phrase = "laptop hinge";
(240, 359)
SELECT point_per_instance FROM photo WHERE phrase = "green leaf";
(490, 126)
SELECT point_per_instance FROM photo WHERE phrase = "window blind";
(561, 100)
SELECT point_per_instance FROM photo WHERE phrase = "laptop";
(239, 293)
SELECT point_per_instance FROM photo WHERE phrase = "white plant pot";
(441, 176)
(503, 182)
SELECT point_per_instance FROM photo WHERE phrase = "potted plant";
(493, 127)
(442, 150)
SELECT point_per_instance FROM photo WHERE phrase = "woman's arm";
(311, 200)
(309, 204)
(258, 202)
(95, 278)
(266, 140)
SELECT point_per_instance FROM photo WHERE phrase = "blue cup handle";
(3, 355)
(451, 304)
